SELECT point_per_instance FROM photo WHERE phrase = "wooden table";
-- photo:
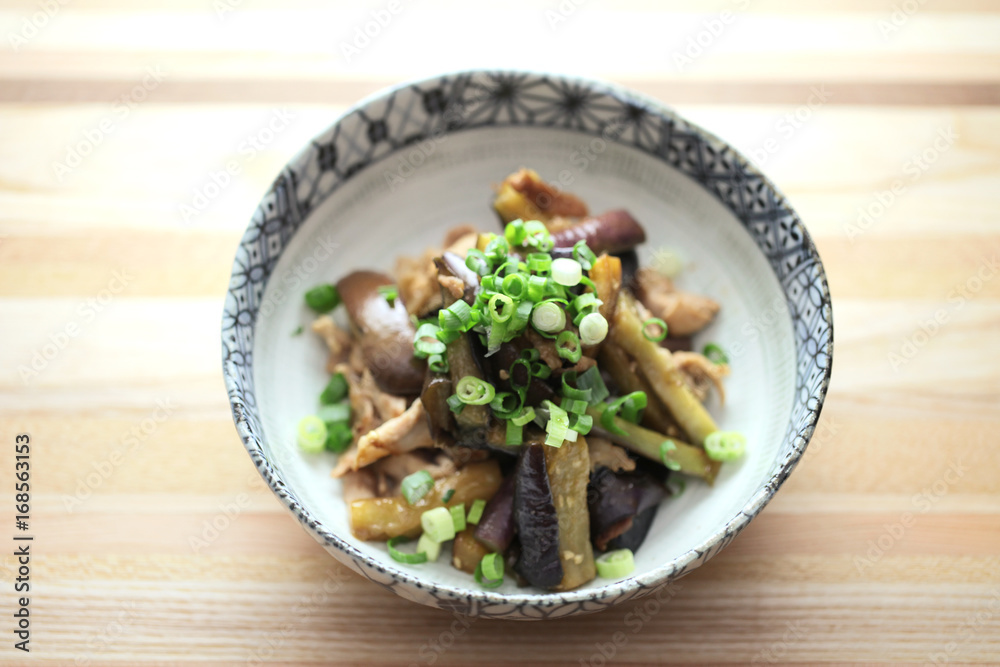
(880, 119)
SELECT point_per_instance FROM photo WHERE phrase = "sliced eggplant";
(536, 520)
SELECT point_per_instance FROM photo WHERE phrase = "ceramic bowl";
(401, 167)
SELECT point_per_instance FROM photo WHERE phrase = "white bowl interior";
(372, 220)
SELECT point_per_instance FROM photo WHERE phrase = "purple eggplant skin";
(496, 527)
(610, 232)
(503, 360)
(633, 538)
(536, 520)
(614, 500)
(386, 333)
(434, 397)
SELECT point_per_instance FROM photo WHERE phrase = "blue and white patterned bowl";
(403, 166)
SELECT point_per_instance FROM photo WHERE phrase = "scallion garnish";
(591, 379)
(540, 264)
(458, 517)
(437, 363)
(335, 390)
(566, 271)
(654, 329)
(426, 342)
(390, 293)
(397, 555)
(438, 524)
(584, 255)
(548, 317)
(323, 298)
(456, 317)
(577, 393)
(489, 572)
(667, 447)
(593, 329)
(630, 408)
(455, 404)
(473, 391)
(338, 436)
(725, 445)
(311, 434)
(557, 427)
(416, 486)
(616, 564)
(568, 346)
(447, 495)
(476, 511)
(514, 232)
(715, 354)
(476, 261)
(428, 547)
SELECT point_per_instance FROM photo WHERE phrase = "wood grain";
(883, 547)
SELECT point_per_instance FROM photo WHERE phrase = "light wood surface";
(882, 548)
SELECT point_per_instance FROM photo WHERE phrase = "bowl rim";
(637, 585)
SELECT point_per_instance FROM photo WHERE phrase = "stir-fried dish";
(522, 395)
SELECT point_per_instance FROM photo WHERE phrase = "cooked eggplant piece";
(536, 520)
(437, 389)
(633, 538)
(385, 332)
(611, 232)
(496, 527)
(383, 518)
(451, 265)
(525, 195)
(569, 473)
(615, 499)
(466, 552)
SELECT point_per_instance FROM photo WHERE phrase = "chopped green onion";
(492, 566)
(515, 286)
(335, 391)
(298, 331)
(514, 378)
(526, 415)
(416, 486)
(586, 303)
(338, 412)
(425, 341)
(473, 391)
(498, 334)
(725, 445)
(548, 317)
(568, 346)
(455, 404)
(566, 271)
(576, 393)
(540, 264)
(514, 232)
(616, 564)
(654, 329)
(497, 249)
(338, 437)
(630, 406)
(428, 547)
(447, 495)
(584, 255)
(593, 329)
(581, 423)
(458, 517)
(438, 524)
(540, 370)
(484, 581)
(536, 288)
(537, 235)
(397, 555)
(323, 298)
(456, 317)
(476, 511)
(557, 427)
(390, 293)
(501, 307)
(666, 447)
(681, 487)
(505, 404)
(715, 354)
(514, 435)
(437, 363)
(591, 380)
(311, 434)
(573, 406)
(520, 319)
(530, 354)
(475, 260)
